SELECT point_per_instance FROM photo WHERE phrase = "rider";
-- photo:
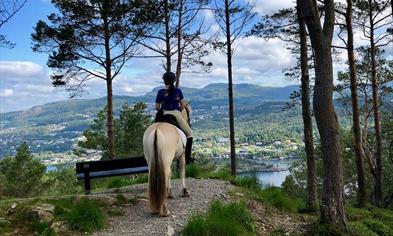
(170, 100)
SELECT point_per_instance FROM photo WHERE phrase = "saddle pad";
(183, 136)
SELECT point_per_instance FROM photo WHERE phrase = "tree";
(92, 40)
(374, 19)
(22, 174)
(129, 129)
(8, 8)
(232, 17)
(289, 26)
(357, 132)
(332, 208)
(179, 36)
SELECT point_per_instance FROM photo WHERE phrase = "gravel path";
(137, 219)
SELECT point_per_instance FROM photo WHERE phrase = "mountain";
(56, 126)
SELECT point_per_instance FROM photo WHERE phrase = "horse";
(162, 144)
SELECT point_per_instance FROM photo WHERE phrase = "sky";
(25, 78)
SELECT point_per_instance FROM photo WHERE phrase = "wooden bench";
(107, 168)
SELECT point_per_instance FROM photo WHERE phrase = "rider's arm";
(182, 105)
(158, 106)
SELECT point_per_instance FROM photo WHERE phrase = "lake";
(273, 178)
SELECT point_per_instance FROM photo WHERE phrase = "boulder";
(11, 209)
(44, 212)
(60, 227)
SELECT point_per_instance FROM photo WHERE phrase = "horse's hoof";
(185, 193)
(165, 214)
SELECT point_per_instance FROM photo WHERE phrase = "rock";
(170, 231)
(11, 209)
(107, 200)
(44, 212)
(60, 226)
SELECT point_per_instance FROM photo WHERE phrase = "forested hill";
(207, 97)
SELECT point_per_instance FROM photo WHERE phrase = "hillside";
(56, 126)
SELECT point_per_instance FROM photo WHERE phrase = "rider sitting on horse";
(170, 100)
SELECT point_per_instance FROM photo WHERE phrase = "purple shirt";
(169, 102)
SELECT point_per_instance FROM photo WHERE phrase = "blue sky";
(25, 81)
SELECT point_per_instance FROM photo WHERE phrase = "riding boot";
(188, 151)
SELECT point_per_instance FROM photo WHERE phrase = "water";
(51, 168)
(276, 178)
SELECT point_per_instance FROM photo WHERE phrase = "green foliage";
(317, 229)
(62, 181)
(279, 199)
(129, 129)
(21, 175)
(118, 181)
(359, 229)
(292, 188)
(221, 219)
(42, 228)
(193, 171)
(249, 181)
(378, 227)
(85, 216)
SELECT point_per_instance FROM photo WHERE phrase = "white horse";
(162, 144)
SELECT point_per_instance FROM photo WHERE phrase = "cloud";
(6, 93)
(25, 84)
(263, 7)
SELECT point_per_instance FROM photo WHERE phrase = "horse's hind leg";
(169, 184)
(164, 211)
(182, 161)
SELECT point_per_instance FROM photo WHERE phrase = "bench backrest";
(106, 168)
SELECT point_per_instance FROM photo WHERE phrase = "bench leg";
(87, 183)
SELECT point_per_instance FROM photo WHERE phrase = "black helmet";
(169, 77)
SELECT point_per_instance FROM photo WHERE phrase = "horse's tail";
(157, 183)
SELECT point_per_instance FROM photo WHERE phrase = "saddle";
(170, 119)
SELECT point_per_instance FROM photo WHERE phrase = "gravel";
(137, 219)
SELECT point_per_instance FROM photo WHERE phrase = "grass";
(85, 216)
(221, 219)
(273, 196)
(118, 181)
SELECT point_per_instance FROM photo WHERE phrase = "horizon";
(115, 95)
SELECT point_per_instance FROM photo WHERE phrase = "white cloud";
(263, 7)
(6, 93)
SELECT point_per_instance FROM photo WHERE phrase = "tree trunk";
(111, 133)
(179, 47)
(312, 199)
(357, 134)
(108, 67)
(378, 194)
(230, 90)
(332, 208)
(167, 37)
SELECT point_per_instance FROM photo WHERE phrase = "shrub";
(359, 229)
(22, 175)
(279, 199)
(355, 214)
(378, 227)
(248, 181)
(85, 216)
(221, 219)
